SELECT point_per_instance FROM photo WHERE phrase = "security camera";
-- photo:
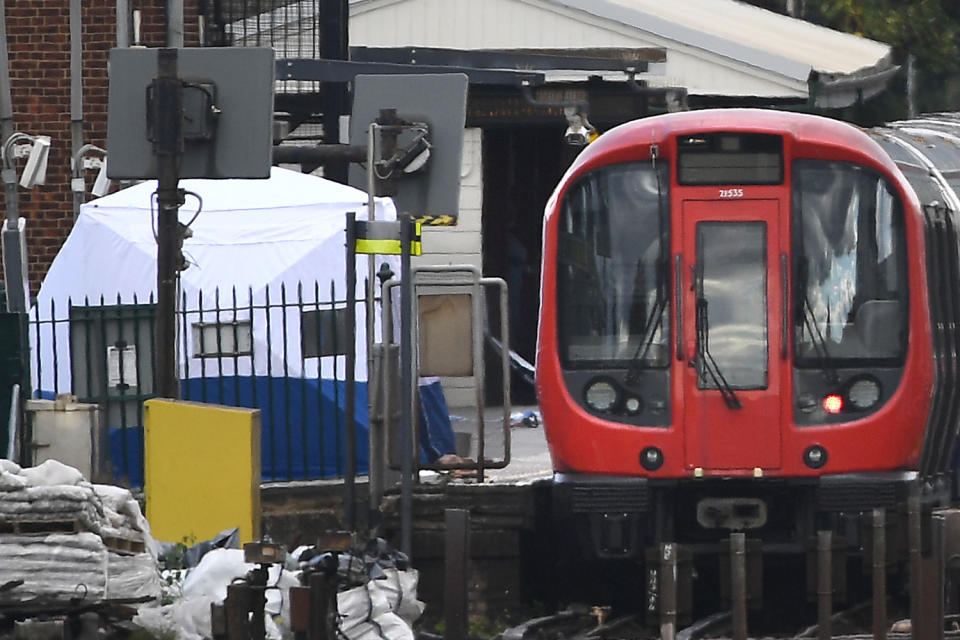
(579, 129)
(35, 172)
(577, 136)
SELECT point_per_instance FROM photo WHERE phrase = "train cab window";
(850, 302)
(612, 271)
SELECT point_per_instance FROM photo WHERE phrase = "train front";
(734, 333)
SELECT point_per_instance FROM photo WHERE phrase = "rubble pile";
(63, 539)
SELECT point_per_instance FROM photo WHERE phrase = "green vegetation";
(927, 29)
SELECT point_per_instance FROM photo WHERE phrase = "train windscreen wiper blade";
(819, 342)
(649, 332)
(706, 363)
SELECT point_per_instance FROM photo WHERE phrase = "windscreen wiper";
(819, 342)
(650, 327)
(704, 361)
(646, 341)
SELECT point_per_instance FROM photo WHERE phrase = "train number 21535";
(731, 193)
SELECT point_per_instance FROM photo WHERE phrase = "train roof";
(638, 134)
(927, 151)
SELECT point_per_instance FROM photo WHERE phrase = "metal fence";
(291, 27)
(277, 349)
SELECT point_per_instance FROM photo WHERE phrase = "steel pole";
(824, 584)
(456, 565)
(738, 586)
(406, 382)
(169, 148)
(377, 423)
(879, 574)
(350, 508)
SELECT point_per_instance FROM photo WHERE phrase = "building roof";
(744, 32)
(714, 47)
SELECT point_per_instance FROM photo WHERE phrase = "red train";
(746, 324)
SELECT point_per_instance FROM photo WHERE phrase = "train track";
(581, 623)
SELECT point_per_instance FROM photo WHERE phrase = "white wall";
(460, 244)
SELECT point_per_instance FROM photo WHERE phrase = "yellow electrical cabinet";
(202, 470)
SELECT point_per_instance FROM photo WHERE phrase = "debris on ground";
(529, 419)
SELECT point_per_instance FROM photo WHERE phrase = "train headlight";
(601, 395)
(651, 458)
(815, 457)
(864, 393)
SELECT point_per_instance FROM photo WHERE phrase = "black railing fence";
(277, 349)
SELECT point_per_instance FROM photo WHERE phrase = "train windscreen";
(612, 268)
(850, 302)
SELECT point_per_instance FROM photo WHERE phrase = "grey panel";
(243, 133)
(440, 101)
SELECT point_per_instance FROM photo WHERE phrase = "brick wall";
(38, 34)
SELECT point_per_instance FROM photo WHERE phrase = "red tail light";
(833, 403)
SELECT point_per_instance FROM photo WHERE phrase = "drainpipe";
(76, 99)
(6, 103)
(175, 23)
(123, 23)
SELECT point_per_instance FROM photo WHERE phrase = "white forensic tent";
(258, 240)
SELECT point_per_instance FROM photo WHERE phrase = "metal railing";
(275, 349)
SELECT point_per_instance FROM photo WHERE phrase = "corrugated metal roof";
(714, 47)
(746, 33)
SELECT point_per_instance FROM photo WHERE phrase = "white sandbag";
(365, 615)
(9, 466)
(132, 576)
(12, 480)
(51, 472)
(207, 583)
(400, 588)
(57, 565)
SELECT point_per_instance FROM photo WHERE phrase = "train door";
(732, 332)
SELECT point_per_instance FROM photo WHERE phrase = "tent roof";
(249, 233)
(284, 188)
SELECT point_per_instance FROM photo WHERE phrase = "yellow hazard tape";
(438, 221)
(387, 247)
